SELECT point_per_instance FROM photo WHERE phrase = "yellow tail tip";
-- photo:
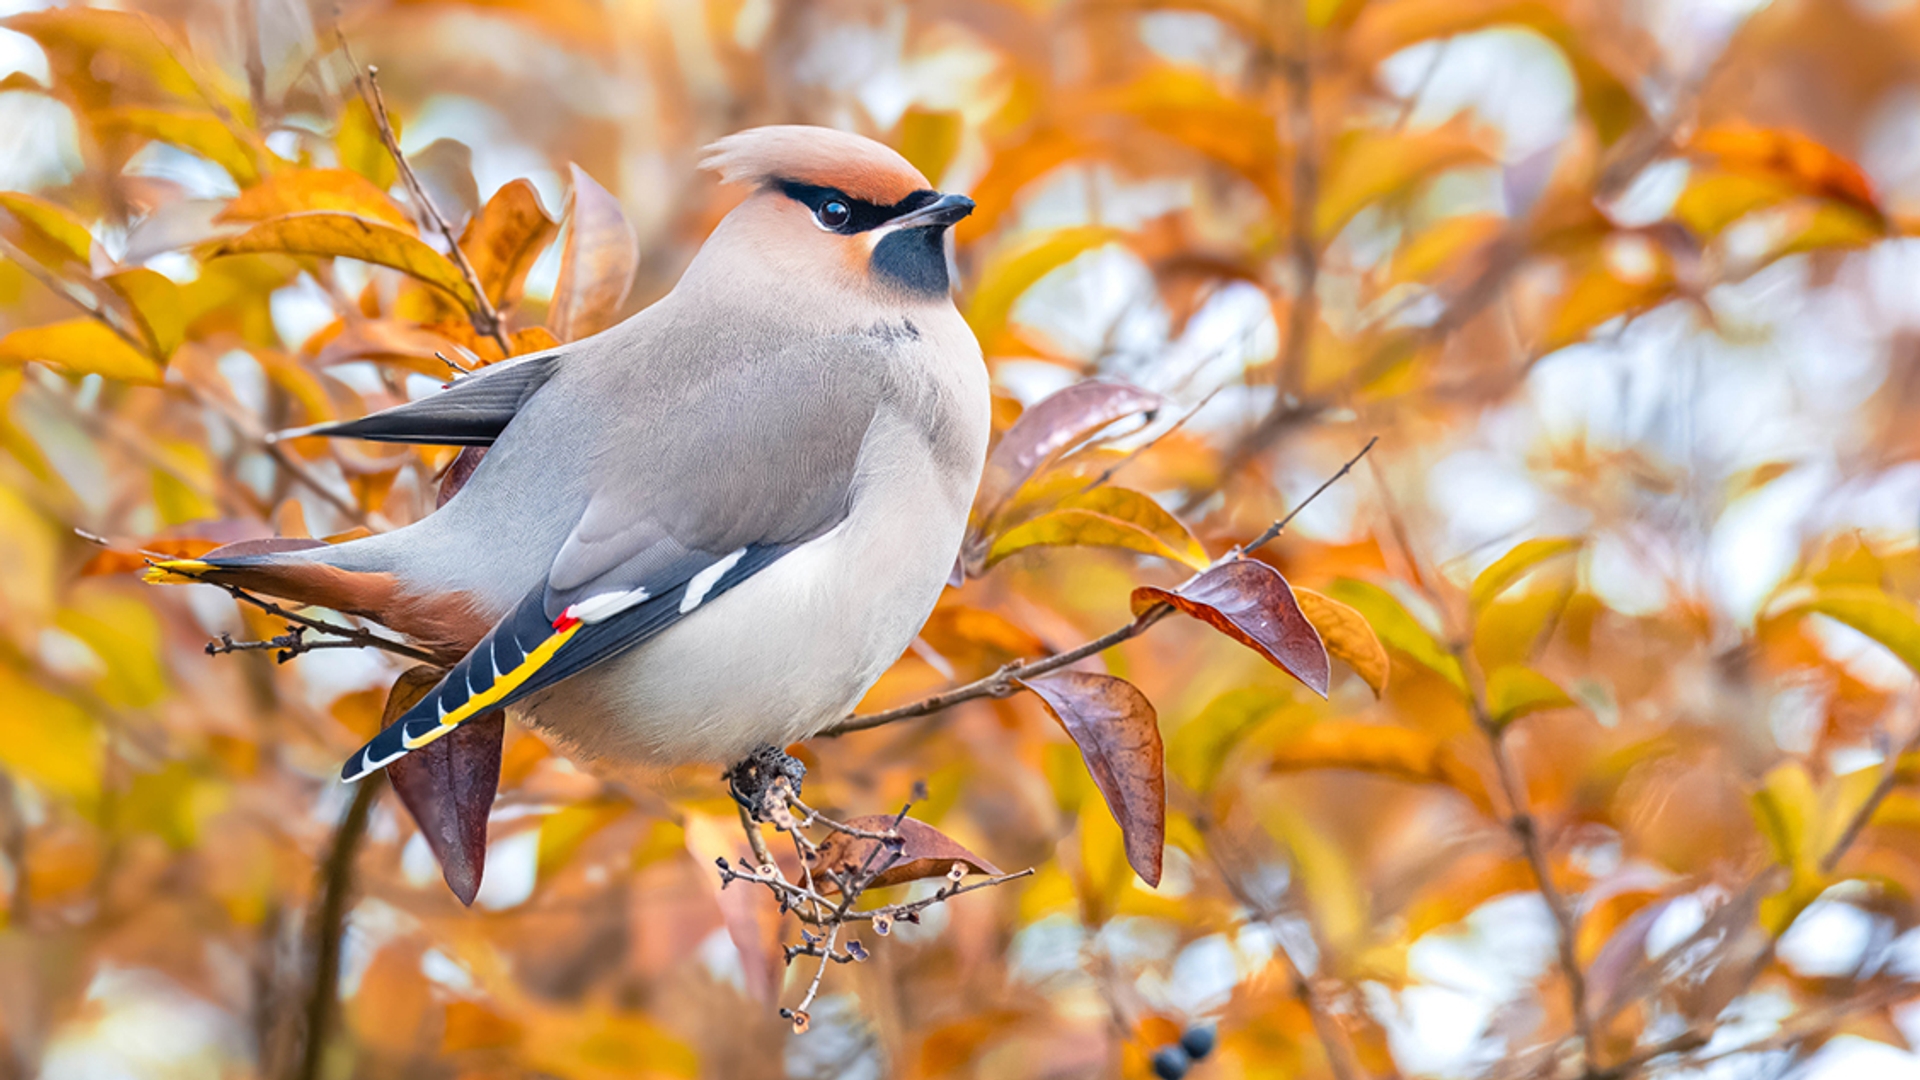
(176, 571)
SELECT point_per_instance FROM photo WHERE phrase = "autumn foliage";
(1441, 601)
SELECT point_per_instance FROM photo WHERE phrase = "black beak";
(940, 213)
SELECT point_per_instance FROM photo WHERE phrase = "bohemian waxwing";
(711, 527)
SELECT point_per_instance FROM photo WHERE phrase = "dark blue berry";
(1170, 1063)
(1198, 1042)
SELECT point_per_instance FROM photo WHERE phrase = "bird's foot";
(754, 777)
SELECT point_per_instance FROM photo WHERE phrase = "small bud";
(801, 1021)
(919, 791)
(857, 950)
(956, 872)
(1171, 1063)
(882, 925)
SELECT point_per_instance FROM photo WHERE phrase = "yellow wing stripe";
(501, 687)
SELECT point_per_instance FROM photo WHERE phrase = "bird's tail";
(293, 570)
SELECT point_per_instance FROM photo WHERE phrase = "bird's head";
(832, 201)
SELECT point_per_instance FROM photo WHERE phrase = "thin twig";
(351, 635)
(336, 888)
(1005, 682)
(1889, 778)
(1135, 453)
(486, 319)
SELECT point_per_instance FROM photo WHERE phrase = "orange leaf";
(1401, 753)
(1118, 734)
(1252, 603)
(1347, 636)
(505, 238)
(1789, 157)
(345, 236)
(303, 190)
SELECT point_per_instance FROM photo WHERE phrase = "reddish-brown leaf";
(1052, 427)
(1250, 602)
(448, 785)
(1118, 734)
(925, 852)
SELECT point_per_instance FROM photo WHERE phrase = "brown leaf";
(448, 785)
(925, 852)
(1050, 428)
(504, 239)
(596, 266)
(1250, 602)
(1118, 734)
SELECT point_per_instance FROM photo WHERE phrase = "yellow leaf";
(1790, 158)
(929, 138)
(80, 346)
(202, 133)
(99, 55)
(303, 190)
(1382, 749)
(124, 633)
(505, 238)
(345, 236)
(1510, 629)
(1788, 812)
(1399, 630)
(1367, 167)
(1510, 567)
(562, 832)
(1444, 246)
(1714, 200)
(1189, 108)
(1599, 295)
(1009, 274)
(1105, 517)
(360, 148)
(155, 302)
(1198, 748)
(1515, 691)
(1328, 877)
(51, 234)
(48, 740)
(1347, 636)
(1892, 621)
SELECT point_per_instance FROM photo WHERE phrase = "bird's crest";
(852, 164)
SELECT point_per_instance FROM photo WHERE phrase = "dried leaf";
(81, 346)
(448, 785)
(1054, 425)
(1510, 567)
(300, 191)
(1118, 734)
(925, 852)
(1383, 749)
(1347, 636)
(505, 238)
(1105, 517)
(1252, 603)
(346, 236)
(596, 265)
(1009, 274)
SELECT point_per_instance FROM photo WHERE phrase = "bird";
(705, 532)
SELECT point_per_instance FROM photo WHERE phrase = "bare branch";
(486, 319)
(1005, 682)
(351, 636)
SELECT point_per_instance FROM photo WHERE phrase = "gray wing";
(757, 453)
(471, 412)
(752, 460)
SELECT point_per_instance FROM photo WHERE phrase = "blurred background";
(1616, 775)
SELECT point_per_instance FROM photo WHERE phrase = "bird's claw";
(754, 777)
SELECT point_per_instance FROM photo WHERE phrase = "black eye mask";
(862, 215)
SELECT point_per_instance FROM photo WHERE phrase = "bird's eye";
(833, 213)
